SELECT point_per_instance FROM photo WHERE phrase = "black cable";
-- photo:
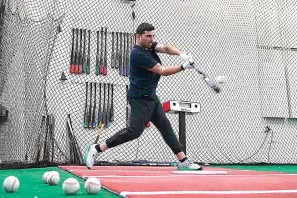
(266, 131)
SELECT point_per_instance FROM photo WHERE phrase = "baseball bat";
(108, 106)
(89, 56)
(75, 146)
(86, 108)
(111, 116)
(209, 81)
(122, 71)
(112, 62)
(84, 60)
(73, 156)
(90, 108)
(80, 57)
(101, 51)
(117, 51)
(97, 56)
(127, 55)
(104, 111)
(105, 53)
(99, 133)
(100, 110)
(76, 53)
(72, 60)
(120, 54)
(94, 108)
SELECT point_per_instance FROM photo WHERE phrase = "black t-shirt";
(142, 81)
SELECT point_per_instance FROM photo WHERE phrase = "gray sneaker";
(188, 165)
(90, 156)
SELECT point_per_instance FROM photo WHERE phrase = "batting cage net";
(65, 71)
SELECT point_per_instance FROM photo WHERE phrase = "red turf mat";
(149, 179)
(219, 196)
(155, 168)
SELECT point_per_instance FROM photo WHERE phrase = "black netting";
(52, 55)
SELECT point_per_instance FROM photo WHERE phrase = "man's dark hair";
(144, 27)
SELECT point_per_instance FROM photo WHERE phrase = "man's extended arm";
(168, 49)
(171, 50)
(166, 71)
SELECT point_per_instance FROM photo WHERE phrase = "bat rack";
(182, 108)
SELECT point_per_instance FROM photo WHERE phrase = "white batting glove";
(185, 56)
(188, 64)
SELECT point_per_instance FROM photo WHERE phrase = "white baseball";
(44, 176)
(11, 184)
(221, 79)
(92, 185)
(52, 178)
(70, 186)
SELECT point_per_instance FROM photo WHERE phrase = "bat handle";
(97, 70)
(76, 69)
(200, 72)
(86, 125)
(108, 124)
(104, 71)
(79, 69)
(72, 68)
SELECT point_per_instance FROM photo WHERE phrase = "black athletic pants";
(143, 110)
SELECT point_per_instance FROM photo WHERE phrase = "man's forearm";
(166, 71)
(172, 50)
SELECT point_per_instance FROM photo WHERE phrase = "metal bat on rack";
(76, 53)
(127, 56)
(105, 53)
(98, 58)
(120, 54)
(117, 51)
(99, 121)
(101, 51)
(86, 108)
(112, 62)
(84, 59)
(72, 59)
(90, 108)
(80, 56)
(104, 110)
(89, 56)
(94, 108)
(111, 116)
(108, 107)
(123, 66)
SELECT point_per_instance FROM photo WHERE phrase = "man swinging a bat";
(145, 72)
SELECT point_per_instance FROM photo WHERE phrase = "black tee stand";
(182, 130)
(182, 108)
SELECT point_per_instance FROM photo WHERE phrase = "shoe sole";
(188, 169)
